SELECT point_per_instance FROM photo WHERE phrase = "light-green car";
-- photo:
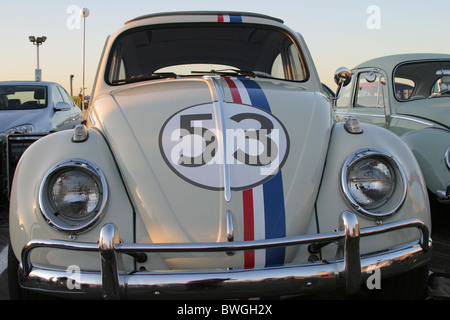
(408, 94)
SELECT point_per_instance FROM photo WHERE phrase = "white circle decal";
(198, 142)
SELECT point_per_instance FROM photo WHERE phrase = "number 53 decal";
(251, 141)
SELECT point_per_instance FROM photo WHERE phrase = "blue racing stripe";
(256, 94)
(275, 218)
(235, 18)
(274, 209)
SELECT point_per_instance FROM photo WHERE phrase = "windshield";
(19, 97)
(420, 80)
(186, 50)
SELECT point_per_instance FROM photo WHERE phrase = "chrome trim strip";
(348, 270)
(356, 114)
(230, 231)
(230, 227)
(424, 122)
(219, 112)
(368, 114)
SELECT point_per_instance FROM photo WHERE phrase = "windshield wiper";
(144, 77)
(228, 72)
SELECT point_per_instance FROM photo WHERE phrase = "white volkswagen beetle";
(210, 166)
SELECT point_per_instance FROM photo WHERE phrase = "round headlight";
(373, 183)
(73, 195)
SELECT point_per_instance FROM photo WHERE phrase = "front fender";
(429, 146)
(331, 199)
(26, 220)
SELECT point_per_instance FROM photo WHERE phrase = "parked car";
(29, 110)
(36, 107)
(408, 94)
(210, 167)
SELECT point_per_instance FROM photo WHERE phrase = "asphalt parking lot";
(439, 280)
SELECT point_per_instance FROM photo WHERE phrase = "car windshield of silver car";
(19, 97)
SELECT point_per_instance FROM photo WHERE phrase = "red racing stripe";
(249, 222)
(234, 90)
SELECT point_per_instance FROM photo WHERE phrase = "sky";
(338, 33)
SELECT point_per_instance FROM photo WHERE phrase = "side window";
(118, 66)
(56, 96)
(404, 88)
(298, 72)
(346, 95)
(288, 64)
(66, 96)
(277, 68)
(370, 90)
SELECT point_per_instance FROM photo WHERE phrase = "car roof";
(391, 61)
(205, 13)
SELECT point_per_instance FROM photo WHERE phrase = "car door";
(365, 98)
(370, 101)
(68, 119)
(57, 118)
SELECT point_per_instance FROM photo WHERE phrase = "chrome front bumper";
(348, 271)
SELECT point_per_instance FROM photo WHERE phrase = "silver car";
(28, 111)
(36, 107)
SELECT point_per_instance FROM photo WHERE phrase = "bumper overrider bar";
(348, 271)
(444, 195)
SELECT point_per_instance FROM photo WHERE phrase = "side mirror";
(342, 78)
(62, 106)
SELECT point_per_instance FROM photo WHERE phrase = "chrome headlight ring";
(73, 195)
(374, 183)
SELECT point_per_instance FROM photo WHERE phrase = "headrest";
(39, 94)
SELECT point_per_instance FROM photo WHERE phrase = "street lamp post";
(38, 41)
(84, 13)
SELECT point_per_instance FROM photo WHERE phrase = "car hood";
(9, 119)
(434, 109)
(186, 179)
